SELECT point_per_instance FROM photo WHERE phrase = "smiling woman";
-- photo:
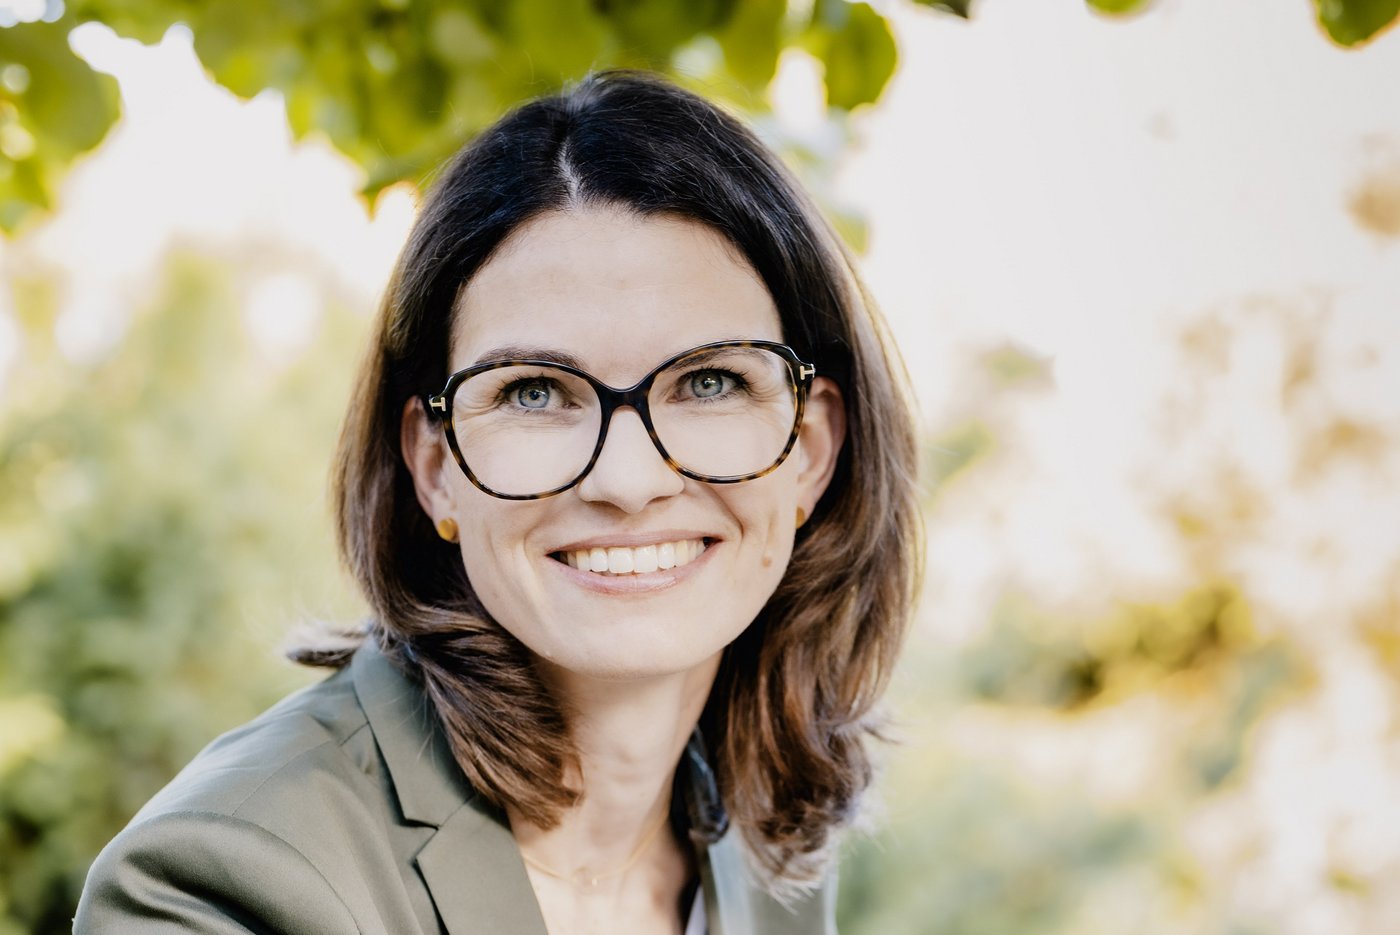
(670, 284)
(628, 480)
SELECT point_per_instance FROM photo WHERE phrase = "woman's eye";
(532, 396)
(707, 383)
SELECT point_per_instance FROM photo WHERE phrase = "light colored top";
(695, 924)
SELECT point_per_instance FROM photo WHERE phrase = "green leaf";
(458, 38)
(650, 30)
(555, 40)
(1118, 7)
(962, 8)
(146, 21)
(1352, 22)
(52, 108)
(751, 41)
(61, 97)
(855, 44)
(240, 43)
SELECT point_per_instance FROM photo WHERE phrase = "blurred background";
(1143, 259)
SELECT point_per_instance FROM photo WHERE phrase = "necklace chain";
(593, 879)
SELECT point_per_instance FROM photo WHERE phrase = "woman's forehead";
(613, 289)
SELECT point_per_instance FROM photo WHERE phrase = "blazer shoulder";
(205, 872)
(297, 801)
(287, 759)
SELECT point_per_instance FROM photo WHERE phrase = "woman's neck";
(604, 858)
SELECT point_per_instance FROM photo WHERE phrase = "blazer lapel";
(473, 869)
(725, 880)
(723, 876)
(470, 866)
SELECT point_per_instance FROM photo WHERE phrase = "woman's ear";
(425, 453)
(819, 441)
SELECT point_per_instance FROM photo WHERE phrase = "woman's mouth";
(639, 560)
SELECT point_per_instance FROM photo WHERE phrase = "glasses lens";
(525, 430)
(725, 412)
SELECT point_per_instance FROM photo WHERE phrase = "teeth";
(620, 560)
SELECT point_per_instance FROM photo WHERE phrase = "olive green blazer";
(341, 810)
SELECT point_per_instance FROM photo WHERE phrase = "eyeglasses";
(721, 413)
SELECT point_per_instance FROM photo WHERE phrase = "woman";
(628, 482)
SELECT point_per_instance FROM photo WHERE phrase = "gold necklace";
(593, 880)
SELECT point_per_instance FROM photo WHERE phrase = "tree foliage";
(397, 84)
(1355, 21)
(162, 509)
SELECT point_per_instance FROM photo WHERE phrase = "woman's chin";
(622, 659)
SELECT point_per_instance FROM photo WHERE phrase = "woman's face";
(619, 294)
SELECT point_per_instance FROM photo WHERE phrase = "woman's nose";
(629, 472)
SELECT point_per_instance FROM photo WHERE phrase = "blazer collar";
(723, 874)
(478, 882)
(427, 780)
(470, 865)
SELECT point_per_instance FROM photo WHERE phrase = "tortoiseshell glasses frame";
(611, 399)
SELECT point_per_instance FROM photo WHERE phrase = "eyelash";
(739, 382)
(509, 391)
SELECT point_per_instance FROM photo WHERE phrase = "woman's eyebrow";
(550, 355)
(725, 352)
(527, 352)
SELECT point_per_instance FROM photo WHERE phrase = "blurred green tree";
(397, 85)
(163, 514)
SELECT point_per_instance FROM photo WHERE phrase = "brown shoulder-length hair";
(793, 704)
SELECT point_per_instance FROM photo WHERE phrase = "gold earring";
(801, 517)
(447, 528)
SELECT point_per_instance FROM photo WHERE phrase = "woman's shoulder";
(312, 740)
(292, 819)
